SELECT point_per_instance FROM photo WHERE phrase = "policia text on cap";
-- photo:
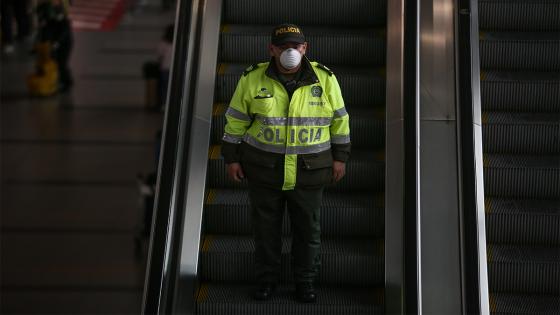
(288, 133)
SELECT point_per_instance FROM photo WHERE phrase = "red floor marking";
(116, 16)
(100, 15)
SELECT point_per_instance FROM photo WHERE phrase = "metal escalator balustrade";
(520, 90)
(352, 213)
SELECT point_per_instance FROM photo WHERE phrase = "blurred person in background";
(164, 55)
(54, 27)
(18, 10)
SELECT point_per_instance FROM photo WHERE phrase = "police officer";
(287, 132)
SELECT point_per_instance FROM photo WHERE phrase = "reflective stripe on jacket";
(262, 114)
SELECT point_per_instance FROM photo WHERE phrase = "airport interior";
(114, 194)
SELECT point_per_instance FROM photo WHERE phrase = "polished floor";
(70, 206)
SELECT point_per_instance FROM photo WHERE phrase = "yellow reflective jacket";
(262, 114)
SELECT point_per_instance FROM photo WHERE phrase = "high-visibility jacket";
(262, 114)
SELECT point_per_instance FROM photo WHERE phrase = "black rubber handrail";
(161, 266)
(411, 155)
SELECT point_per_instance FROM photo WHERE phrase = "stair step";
(520, 91)
(522, 176)
(519, 15)
(225, 298)
(309, 12)
(228, 211)
(520, 51)
(523, 269)
(229, 258)
(329, 44)
(515, 221)
(516, 133)
(504, 303)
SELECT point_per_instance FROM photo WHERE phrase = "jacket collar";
(306, 75)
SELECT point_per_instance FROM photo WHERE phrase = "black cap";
(287, 33)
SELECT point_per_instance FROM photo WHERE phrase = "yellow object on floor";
(44, 81)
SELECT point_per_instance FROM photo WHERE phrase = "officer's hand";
(235, 172)
(339, 170)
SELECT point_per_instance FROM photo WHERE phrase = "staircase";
(520, 89)
(348, 37)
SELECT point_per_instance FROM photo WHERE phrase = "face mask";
(290, 58)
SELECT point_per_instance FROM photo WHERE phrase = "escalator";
(349, 38)
(520, 91)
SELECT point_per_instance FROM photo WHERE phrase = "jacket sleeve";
(340, 126)
(238, 120)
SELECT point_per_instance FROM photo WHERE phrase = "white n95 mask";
(290, 58)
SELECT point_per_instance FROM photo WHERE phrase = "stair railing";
(171, 273)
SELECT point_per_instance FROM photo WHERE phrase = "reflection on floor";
(70, 207)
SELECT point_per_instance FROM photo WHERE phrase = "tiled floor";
(70, 207)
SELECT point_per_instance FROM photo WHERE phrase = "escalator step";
(520, 51)
(219, 298)
(523, 269)
(228, 212)
(510, 221)
(521, 176)
(503, 303)
(360, 86)
(329, 45)
(365, 171)
(521, 132)
(230, 258)
(348, 37)
(309, 12)
(520, 91)
(218, 122)
(367, 126)
(522, 15)
(520, 88)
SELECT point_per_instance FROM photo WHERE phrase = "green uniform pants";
(268, 206)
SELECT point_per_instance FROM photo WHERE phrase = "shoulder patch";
(251, 68)
(323, 67)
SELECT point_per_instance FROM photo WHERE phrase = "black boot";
(264, 291)
(305, 292)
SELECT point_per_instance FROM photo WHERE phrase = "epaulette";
(323, 67)
(251, 68)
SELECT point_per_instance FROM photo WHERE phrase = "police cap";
(287, 33)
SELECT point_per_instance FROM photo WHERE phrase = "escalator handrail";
(402, 207)
(193, 172)
(475, 279)
(159, 270)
